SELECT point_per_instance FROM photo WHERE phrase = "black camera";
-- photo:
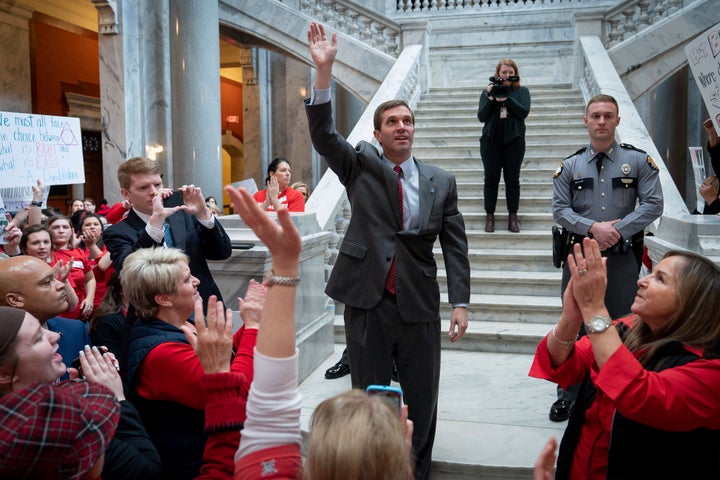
(500, 90)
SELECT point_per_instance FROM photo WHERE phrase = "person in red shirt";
(81, 276)
(649, 406)
(161, 368)
(91, 243)
(278, 192)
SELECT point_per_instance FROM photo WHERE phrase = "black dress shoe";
(338, 370)
(560, 410)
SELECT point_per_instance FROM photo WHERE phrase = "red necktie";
(390, 280)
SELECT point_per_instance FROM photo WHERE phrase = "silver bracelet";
(272, 279)
(565, 343)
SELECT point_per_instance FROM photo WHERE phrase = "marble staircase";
(515, 288)
(492, 419)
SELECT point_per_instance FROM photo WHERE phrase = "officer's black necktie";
(599, 160)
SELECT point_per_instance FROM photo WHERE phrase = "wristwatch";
(598, 324)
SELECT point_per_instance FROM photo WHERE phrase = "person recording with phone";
(161, 216)
(503, 107)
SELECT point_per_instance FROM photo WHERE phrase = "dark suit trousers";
(374, 338)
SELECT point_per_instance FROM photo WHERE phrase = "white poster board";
(703, 55)
(698, 164)
(42, 147)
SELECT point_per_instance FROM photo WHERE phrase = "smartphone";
(174, 200)
(392, 395)
(76, 364)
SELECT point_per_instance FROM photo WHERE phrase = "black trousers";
(507, 158)
(376, 337)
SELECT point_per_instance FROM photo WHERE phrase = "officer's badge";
(558, 171)
(625, 169)
(651, 162)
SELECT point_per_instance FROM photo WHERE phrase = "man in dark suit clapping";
(385, 273)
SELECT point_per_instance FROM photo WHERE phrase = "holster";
(560, 245)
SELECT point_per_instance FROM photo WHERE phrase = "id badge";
(503, 112)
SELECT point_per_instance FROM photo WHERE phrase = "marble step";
(528, 190)
(538, 170)
(520, 283)
(528, 204)
(465, 113)
(492, 417)
(474, 217)
(456, 137)
(502, 239)
(493, 258)
(534, 161)
(533, 123)
(483, 335)
(426, 150)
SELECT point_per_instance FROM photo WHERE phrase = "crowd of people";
(118, 359)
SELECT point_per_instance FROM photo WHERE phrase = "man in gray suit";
(385, 273)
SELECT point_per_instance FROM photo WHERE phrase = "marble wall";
(15, 91)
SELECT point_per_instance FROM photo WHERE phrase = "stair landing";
(492, 418)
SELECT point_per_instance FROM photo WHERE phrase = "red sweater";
(172, 371)
(80, 266)
(292, 199)
(677, 399)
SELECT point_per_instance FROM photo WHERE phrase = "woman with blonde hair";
(161, 367)
(504, 105)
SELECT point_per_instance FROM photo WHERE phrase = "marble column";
(195, 73)
(290, 139)
(15, 92)
(252, 140)
(134, 85)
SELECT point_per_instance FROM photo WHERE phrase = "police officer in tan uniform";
(610, 192)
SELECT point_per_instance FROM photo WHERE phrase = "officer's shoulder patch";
(576, 153)
(651, 162)
(631, 147)
(558, 171)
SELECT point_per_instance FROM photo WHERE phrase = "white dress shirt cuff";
(320, 96)
(156, 234)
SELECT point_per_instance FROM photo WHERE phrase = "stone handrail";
(597, 75)
(328, 201)
(676, 228)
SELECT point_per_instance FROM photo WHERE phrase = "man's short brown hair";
(377, 117)
(602, 98)
(135, 166)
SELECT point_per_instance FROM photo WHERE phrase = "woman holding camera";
(504, 104)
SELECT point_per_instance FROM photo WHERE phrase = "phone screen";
(392, 395)
(174, 200)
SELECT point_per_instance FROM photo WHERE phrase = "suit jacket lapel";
(428, 189)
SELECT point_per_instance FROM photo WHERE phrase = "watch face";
(599, 324)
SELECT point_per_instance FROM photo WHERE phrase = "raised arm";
(276, 337)
(323, 52)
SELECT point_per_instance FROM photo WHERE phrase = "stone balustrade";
(352, 19)
(631, 17)
(424, 6)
